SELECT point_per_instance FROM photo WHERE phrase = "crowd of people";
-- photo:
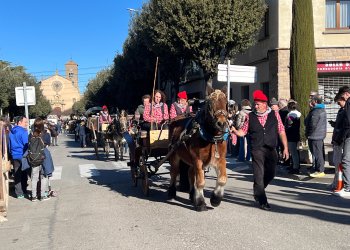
(266, 133)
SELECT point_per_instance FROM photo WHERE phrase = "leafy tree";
(12, 77)
(303, 74)
(205, 32)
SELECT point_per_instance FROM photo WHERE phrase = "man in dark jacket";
(18, 145)
(264, 126)
(344, 93)
(315, 132)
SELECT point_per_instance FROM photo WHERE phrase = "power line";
(60, 70)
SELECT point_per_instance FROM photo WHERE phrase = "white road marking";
(57, 174)
(88, 170)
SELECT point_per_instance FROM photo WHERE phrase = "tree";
(12, 77)
(303, 73)
(206, 32)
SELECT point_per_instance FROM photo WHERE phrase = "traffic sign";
(238, 74)
(31, 100)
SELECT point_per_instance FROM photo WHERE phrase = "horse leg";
(115, 149)
(122, 149)
(199, 201)
(218, 193)
(174, 171)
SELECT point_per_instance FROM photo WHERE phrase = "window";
(70, 75)
(337, 14)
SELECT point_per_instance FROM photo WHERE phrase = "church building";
(62, 91)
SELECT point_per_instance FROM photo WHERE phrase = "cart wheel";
(145, 183)
(96, 148)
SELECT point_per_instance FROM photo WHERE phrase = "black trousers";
(20, 178)
(264, 161)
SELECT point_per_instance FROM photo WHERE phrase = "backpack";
(36, 153)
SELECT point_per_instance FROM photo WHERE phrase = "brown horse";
(200, 142)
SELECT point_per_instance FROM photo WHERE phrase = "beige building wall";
(62, 92)
(271, 55)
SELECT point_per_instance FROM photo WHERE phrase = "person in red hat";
(264, 126)
(181, 106)
(104, 117)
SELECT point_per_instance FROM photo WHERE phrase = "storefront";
(331, 76)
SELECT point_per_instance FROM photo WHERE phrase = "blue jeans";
(346, 163)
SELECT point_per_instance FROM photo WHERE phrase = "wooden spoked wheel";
(144, 174)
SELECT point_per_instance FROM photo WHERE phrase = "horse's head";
(123, 121)
(216, 111)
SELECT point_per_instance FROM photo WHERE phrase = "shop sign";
(333, 67)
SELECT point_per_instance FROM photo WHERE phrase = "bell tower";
(72, 73)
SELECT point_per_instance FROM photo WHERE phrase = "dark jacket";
(292, 126)
(48, 166)
(316, 123)
(338, 135)
(18, 142)
(346, 126)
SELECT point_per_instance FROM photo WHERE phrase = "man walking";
(315, 132)
(264, 126)
(344, 93)
(18, 145)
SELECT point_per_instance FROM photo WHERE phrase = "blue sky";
(42, 35)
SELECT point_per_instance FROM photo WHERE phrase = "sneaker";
(45, 198)
(34, 199)
(343, 193)
(317, 174)
(21, 196)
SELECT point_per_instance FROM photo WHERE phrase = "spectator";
(274, 104)
(46, 136)
(344, 92)
(292, 126)
(264, 125)
(338, 137)
(141, 108)
(37, 172)
(82, 134)
(18, 145)
(315, 132)
(54, 134)
(244, 142)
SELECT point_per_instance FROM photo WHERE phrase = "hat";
(231, 102)
(292, 101)
(258, 95)
(273, 101)
(104, 107)
(182, 95)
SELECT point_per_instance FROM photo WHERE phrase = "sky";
(42, 35)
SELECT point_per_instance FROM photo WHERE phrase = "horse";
(200, 142)
(115, 132)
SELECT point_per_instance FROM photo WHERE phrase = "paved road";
(97, 208)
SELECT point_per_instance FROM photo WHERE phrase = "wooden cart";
(5, 167)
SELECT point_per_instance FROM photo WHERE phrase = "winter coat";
(338, 135)
(18, 140)
(316, 123)
(242, 116)
(292, 126)
(48, 166)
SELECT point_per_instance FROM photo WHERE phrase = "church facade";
(62, 91)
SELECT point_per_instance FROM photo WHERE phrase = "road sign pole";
(26, 102)
(228, 80)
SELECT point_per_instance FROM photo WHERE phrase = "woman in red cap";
(264, 126)
(181, 106)
(104, 117)
(158, 112)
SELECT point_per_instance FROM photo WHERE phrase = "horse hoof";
(172, 192)
(201, 208)
(192, 195)
(215, 200)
